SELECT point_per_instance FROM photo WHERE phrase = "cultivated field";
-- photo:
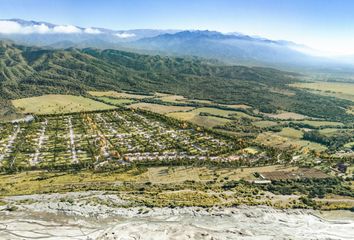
(159, 108)
(215, 111)
(321, 123)
(116, 101)
(173, 98)
(118, 95)
(335, 89)
(56, 104)
(264, 124)
(216, 116)
(194, 117)
(283, 142)
(242, 106)
(287, 115)
(291, 133)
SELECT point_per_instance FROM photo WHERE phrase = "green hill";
(30, 71)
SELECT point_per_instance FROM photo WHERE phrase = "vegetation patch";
(291, 133)
(320, 123)
(57, 104)
(173, 98)
(158, 108)
(115, 94)
(311, 187)
(115, 101)
(273, 139)
(265, 123)
(287, 116)
(194, 117)
(335, 89)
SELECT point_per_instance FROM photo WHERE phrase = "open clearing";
(159, 108)
(213, 111)
(264, 124)
(194, 117)
(119, 95)
(242, 106)
(35, 182)
(287, 115)
(291, 133)
(281, 142)
(173, 99)
(51, 104)
(320, 123)
(115, 101)
(335, 89)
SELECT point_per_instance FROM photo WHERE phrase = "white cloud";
(92, 31)
(42, 28)
(125, 35)
(66, 29)
(8, 27)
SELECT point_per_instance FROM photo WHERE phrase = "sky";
(324, 25)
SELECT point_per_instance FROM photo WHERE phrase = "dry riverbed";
(98, 215)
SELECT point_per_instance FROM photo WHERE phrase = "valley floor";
(49, 218)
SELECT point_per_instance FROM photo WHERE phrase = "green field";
(116, 101)
(329, 131)
(194, 117)
(286, 142)
(114, 94)
(321, 123)
(51, 104)
(159, 108)
(172, 98)
(287, 115)
(334, 89)
(265, 124)
(221, 113)
(291, 133)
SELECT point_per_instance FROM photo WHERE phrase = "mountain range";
(232, 48)
(33, 71)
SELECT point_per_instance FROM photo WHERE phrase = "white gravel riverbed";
(49, 217)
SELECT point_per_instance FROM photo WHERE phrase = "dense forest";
(29, 71)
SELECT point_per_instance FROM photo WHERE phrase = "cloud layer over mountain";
(232, 48)
(12, 27)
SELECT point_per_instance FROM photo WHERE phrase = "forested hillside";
(29, 71)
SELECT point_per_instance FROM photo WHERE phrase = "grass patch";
(265, 124)
(321, 123)
(158, 108)
(275, 140)
(291, 133)
(334, 89)
(118, 95)
(54, 104)
(173, 98)
(194, 117)
(287, 115)
(114, 101)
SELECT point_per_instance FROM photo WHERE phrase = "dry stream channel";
(49, 217)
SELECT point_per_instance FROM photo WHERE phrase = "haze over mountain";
(232, 48)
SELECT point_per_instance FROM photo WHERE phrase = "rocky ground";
(98, 215)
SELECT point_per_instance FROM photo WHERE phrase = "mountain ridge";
(32, 71)
(232, 48)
